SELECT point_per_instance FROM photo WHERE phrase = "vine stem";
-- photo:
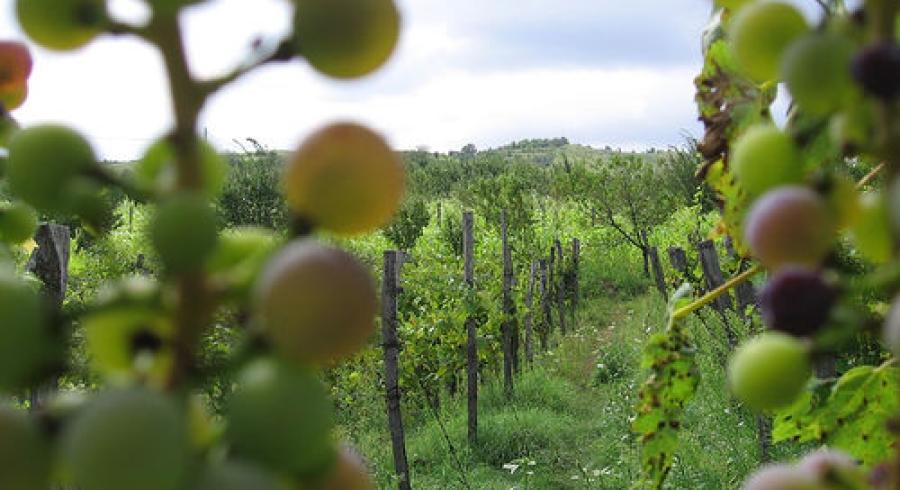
(871, 175)
(716, 293)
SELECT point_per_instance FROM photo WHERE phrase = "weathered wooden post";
(391, 346)
(678, 259)
(529, 314)
(471, 332)
(508, 309)
(712, 271)
(546, 321)
(560, 286)
(574, 284)
(49, 262)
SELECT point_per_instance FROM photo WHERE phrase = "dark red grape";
(796, 300)
(877, 69)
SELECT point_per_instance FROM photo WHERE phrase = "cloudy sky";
(600, 72)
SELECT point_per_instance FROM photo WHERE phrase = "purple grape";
(877, 69)
(796, 300)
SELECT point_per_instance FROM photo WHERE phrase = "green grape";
(760, 33)
(843, 201)
(344, 178)
(349, 473)
(769, 371)
(317, 303)
(816, 69)
(184, 232)
(62, 24)
(732, 4)
(158, 171)
(232, 475)
(24, 454)
(18, 222)
(241, 254)
(134, 439)
(852, 127)
(346, 38)
(826, 464)
(789, 225)
(281, 418)
(133, 341)
(86, 199)
(15, 64)
(24, 341)
(8, 127)
(872, 232)
(43, 160)
(764, 157)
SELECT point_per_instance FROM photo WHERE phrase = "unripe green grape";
(24, 454)
(872, 231)
(241, 254)
(157, 169)
(843, 201)
(781, 477)
(24, 340)
(130, 342)
(280, 417)
(732, 4)
(346, 38)
(789, 225)
(344, 178)
(816, 69)
(8, 127)
(62, 24)
(134, 439)
(760, 33)
(184, 232)
(769, 371)
(233, 475)
(317, 303)
(18, 222)
(765, 157)
(42, 162)
(86, 199)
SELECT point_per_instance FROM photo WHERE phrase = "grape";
(877, 69)
(816, 69)
(134, 439)
(346, 38)
(61, 24)
(24, 340)
(234, 475)
(117, 337)
(8, 127)
(281, 418)
(769, 371)
(349, 473)
(843, 201)
(241, 255)
(824, 463)
(764, 157)
(872, 231)
(157, 169)
(24, 455)
(317, 303)
(796, 300)
(732, 4)
(15, 64)
(13, 96)
(789, 225)
(42, 162)
(184, 232)
(760, 33)
(344, 178)
(781, 477)
(18, 222)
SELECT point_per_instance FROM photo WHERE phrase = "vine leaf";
(672, 381)
(850, 413)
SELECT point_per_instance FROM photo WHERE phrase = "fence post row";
(529, 314)
(658, 273)
(508, 309)
(546, 320)
(391, 346)
(471, 332)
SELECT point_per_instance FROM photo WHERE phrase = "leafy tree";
(252, 191)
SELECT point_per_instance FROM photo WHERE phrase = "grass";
(567, 426)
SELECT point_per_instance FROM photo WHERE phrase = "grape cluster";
(307, 305)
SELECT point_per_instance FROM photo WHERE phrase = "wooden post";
(658, 273)
(712, 271)
(560, 286)
(471, 333)
(546, 321)
(678, 259)
(391, 346)
(574, 285)
(49, 262)
(529, 314)
(508, 309)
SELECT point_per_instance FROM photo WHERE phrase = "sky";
(488, 72)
